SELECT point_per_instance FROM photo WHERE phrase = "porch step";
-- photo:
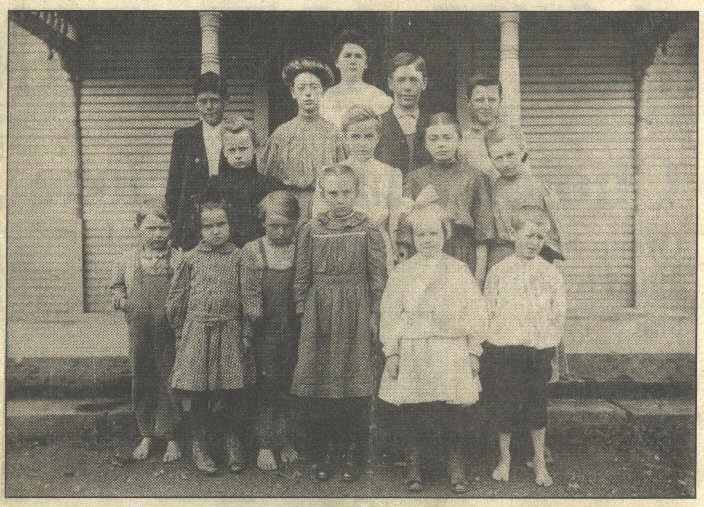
(52, 419)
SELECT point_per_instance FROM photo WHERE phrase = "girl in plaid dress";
(213, 359)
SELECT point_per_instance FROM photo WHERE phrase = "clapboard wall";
(666, 151)
(43, 223)
(138, 71)
(577, 99)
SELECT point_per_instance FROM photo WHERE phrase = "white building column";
(509, 71)
(210, 42)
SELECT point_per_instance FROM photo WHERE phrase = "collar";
(224, 249)
(478, 128)
(405, 113)
(334, 223)
(210, 130)
(155, 254)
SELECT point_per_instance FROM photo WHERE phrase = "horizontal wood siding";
(136, 90)
(577, 100)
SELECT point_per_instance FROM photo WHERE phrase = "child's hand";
(392, 366)
(123, 304)
(474, 365)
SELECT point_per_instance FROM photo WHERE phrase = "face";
(210, 107)
(442, 142)
(238, 149)
(428, 237)
(352, 61)
(529, 240)
(339, 192)
(279, 229)
(155, 232)
(406, 84)
(214, 227)
(506, 157)
(361, 139)
(307, 91)
(484, 104)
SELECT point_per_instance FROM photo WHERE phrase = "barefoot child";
(213, 360)
(140, 284)
(270, 313)
(433, 320)
(526, 301)
(340, 277)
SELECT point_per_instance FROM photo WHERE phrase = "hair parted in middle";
(307, 64)
(280, 202)
(348, 36)
(445, 119)
(358, 114)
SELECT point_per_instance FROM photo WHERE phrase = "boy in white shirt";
(526, 303)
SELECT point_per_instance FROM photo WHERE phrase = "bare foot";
(501, 471)
(266, 460)
(173, 451)
(289, 454)
(141, 452)
(542, 477)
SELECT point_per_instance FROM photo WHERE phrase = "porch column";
(210, 42)
(509, 71)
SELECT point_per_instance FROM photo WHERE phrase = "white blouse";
(335, 103)
(526, 303)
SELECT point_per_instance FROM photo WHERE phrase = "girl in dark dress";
(270, 317)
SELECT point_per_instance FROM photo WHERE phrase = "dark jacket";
(188, 176)
(393, 146)
(243, 190)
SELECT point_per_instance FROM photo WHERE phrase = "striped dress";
(204, 307)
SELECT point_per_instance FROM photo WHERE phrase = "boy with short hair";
(402, 132)
(526, 303)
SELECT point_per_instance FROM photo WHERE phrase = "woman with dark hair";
(349, 52)
(299, 149)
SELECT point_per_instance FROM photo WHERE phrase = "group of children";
(281, 307)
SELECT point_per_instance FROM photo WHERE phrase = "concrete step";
(37, 419)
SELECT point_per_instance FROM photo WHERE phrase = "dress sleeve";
(391, 315)
(554, 209)
(302, 280)
(491, 292)
(177, 300)
(269, 163)
(410, 188)
(376, 258)
(475, 321)
(340, 149)
(118, 285)
(251, 284)
(482, 211)
(558, 308)
(394, 204)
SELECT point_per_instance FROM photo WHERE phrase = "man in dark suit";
(402, 133)
(196, 154)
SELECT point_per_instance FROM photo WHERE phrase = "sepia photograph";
(351, 254)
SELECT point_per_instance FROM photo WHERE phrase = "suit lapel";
(200, 158)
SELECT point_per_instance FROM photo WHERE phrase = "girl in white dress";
(349, 54)
(433, 321)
